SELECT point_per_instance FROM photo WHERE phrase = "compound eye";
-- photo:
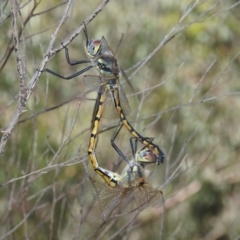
(94, 47)
(146, 156)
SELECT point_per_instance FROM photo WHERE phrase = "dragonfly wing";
(119, 203)
(146, 196)
(112, 207)
(105, 49)
(126, 78)
(92, 81)
(109, 110)
(98, 201)
(124, 101)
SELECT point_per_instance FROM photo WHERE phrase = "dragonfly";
(109, 177)
(102, 58)
(101, 201)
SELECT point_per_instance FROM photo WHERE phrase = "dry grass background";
(185, 95)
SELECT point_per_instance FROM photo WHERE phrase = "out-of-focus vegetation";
(186, 97)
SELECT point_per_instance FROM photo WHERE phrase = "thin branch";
(45, 170)
(49, 9)
(11, 48)
(25, 94)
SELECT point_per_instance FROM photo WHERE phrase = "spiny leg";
(133, 144)
(86, 34)
(72, 64)
(69, 77)
(119, 127)
(68, 58)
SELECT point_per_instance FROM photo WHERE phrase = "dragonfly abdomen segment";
(111, 178)
(145, 141)
(93, 160)
(95, 130)
(96, 121)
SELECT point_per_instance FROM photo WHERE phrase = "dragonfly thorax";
(133, 176)
(107, 66)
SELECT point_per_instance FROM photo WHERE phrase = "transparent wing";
(100, 201)
(109, 110)
(126, 78)
(92, 81)
(119, 203)
(105, 49)
(147, 196)
(124, 101)
(95, 198)
(113, 206)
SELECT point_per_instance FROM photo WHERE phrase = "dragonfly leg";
(72, 64)
(68, 58)
(133, 146)
(119, 127)
(86, 34)
(69, 77)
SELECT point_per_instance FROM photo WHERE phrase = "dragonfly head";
(146, 157)
(93, 48)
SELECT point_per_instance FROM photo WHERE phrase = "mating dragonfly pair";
(110, 92)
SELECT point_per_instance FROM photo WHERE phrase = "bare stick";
(25, 91)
